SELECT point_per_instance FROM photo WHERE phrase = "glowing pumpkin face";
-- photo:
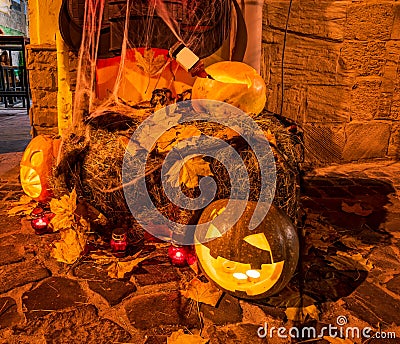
(248, 264)
(235, 83)
(36, 165)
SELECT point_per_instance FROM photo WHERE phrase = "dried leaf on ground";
(70, 247)
(187, 172)
(172, 137)
(300, 313)
(180, 337)
(319, 235)
(202, 292)
(356, 208)
(118, 269)
(346, 261)
(64, 210)
(24, 206)
(298, 306)
(355, 244)
(338, 340)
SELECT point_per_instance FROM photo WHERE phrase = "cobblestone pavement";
(353, 210)
(14, 130)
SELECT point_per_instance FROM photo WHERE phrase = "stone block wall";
(42, 67)
(341, 75)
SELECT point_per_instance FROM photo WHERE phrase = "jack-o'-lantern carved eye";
(213, 232)
(37, 158)
(258, 240)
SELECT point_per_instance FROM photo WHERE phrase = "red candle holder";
(177, 255)
(191, 257)
(119, 242)
(40, 220)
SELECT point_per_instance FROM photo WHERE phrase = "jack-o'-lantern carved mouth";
(30, 178)
(234, 276)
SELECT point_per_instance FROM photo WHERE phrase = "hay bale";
(101, 170)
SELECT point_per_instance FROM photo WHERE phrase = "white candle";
(253, 275)
(239, 277)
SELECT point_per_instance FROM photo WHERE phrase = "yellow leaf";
(24, 206)
(188, 171)
(70, 247)
(227, 134)
(300, 313)
(64, 210)
(358, 259)
(25, 199)
(180, 337)
(338, 340)
(172, 137)
(270, 137)
(119, 269)
(202, 292)
(148, 63)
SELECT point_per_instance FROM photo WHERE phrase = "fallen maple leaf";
(64, 210)
(180, 337)
(356, 209)
(227, 134)
(152, 129)
(148, 62)
(202, 292)
(70, 247)
(298, 306)
(188, 171)
(346, 261)
(24, 206)
(172, 137)
(118, 269)
(300, 313)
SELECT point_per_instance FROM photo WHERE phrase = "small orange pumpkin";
(36, 165)
(249, 264)
(235, 83)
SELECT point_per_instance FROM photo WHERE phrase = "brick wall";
(42, 67)
(342, 81)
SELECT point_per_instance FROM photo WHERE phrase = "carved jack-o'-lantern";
(36, 165)
(235, 83)
(250, 264)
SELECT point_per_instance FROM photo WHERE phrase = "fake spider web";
(139, 33)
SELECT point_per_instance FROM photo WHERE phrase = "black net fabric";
(112, 36)
(202, 25)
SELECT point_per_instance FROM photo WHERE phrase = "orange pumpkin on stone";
(235, 83)
(36, 165)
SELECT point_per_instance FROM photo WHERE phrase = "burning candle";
(177, 255)
(119, 242)
(240, 277)
(253, 275)
(40, 221)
